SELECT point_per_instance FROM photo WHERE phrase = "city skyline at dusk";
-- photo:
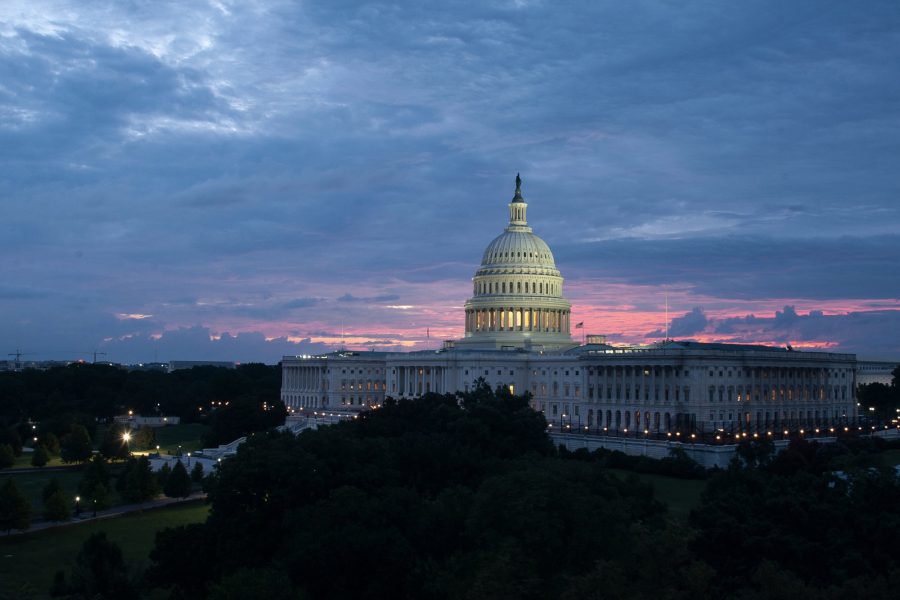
(244, 180)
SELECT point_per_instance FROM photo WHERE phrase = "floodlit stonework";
(517, 336)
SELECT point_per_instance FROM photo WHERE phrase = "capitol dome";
(518, 248)
(517, 291)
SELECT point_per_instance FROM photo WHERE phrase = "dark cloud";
(199, 343)
(301, 303)
(348, 297)
(745, 267)
(867, 333)
(250, 158)
(686, 325)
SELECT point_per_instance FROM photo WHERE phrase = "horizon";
(245, 181)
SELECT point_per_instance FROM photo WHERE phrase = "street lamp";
(77, 505)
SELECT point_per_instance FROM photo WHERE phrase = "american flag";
(579, 325)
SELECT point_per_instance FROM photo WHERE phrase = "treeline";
(442, 497)
(465, 497)
(233, 401)
(881, 398)
(678, 464)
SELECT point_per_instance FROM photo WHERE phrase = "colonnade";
(418, 380)
(303, 378)
(518, 319)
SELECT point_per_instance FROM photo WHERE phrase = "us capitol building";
(517, 336)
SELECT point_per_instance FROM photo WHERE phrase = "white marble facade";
(517, 336)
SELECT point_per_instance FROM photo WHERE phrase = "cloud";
(686, 325)
(348, 297)
(301, 303)
(199, 343)
(868, 333)
(258, 167)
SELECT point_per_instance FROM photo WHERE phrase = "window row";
(517, 287)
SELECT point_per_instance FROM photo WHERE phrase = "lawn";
(186, 435)
(32, 483)
(680, 495)
(28, 562)
(24, 461)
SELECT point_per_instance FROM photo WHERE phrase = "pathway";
(116, 511)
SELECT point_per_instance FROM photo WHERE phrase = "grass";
(24, 461)
(31, 484)
(680, 495)
(186, 435)
(28, 562)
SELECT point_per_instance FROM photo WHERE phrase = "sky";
(241, 180)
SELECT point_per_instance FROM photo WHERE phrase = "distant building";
(138, 421)
(151, 366)
(177, 365)
(875, 371)
(40, 365)
(517, 336)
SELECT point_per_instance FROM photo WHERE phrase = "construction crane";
(19, 354)
(96, 354)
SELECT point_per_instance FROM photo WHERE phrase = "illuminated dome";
(517, 290)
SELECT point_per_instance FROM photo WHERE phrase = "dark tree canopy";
(94, 487)
(114, 446)
(56, 507)
(884, 399)
(137, 482)
(15, 510)
(442, 497)
(99, 572)
(7, 456)
(80, 394)
(40, 457)
(76, 446)
(178, 483)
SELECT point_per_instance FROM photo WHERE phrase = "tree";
(250, 584)
(137, 482)
(77, 445)
(94, 485)
(242, 416)
(56, 507)
(162, 476)
(9, 435)
(885, 399)
(51, 442)
(40, 457)
(144, 438)
(179, 482)
(114, 445)
(15, 510)
(458, 497)
(756, 453)
(99, 572)
(51, 488)
(7, 458)
(197, 472)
